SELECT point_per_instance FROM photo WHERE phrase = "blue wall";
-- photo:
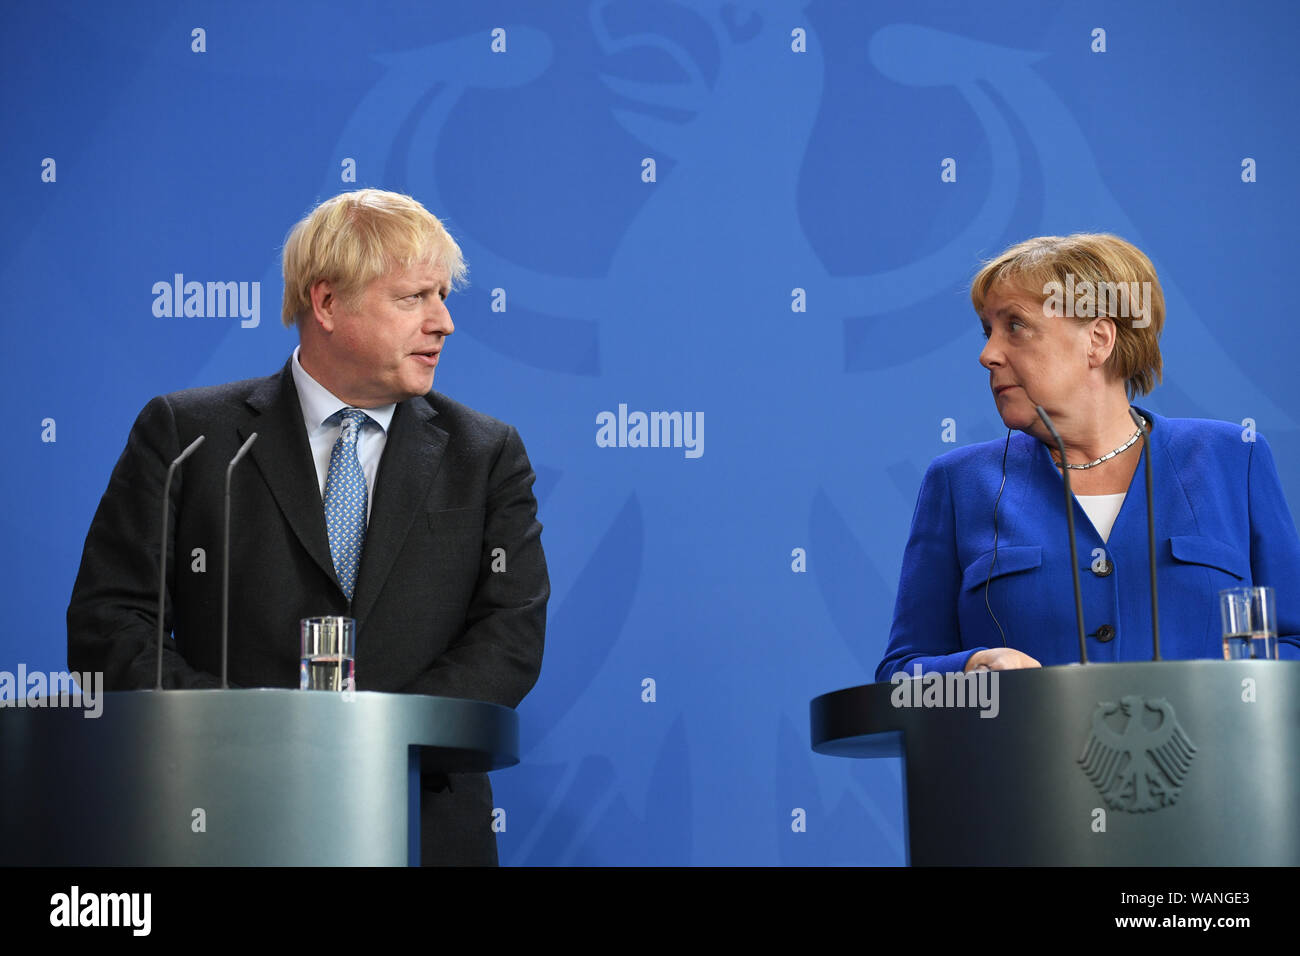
(775, 170)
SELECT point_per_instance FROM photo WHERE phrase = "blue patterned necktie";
(345, 499)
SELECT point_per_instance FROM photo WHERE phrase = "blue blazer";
(1221, 521)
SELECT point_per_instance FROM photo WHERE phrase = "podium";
(1176, 763)
(235, 777)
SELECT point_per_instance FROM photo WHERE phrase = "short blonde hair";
(354, 238)
(1105, 261)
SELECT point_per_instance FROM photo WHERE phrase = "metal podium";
(1176, 763)
(235, 777)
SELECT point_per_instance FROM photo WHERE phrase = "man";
(366, 494)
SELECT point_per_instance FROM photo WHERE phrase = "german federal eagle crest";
(1137, 755)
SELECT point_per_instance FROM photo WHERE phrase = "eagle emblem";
(1137, 755)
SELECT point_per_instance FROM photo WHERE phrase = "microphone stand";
(1069, 517)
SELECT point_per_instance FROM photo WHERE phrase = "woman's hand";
(1000, 659)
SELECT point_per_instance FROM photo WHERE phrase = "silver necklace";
(1109, 455)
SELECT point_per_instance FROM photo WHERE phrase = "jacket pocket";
(1212, 553)
(1010, 560)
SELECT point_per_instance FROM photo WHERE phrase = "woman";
(1072, 323)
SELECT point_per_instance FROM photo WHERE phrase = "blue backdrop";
(734, 210)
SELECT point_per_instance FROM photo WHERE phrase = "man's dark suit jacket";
(433, 616)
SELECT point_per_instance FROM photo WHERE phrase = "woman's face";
(1033, 356)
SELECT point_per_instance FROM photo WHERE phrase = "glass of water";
(329, 652)
(1249, 623)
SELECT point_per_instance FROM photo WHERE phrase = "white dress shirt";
(318, 404)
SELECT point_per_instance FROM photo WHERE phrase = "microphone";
(1151, 535)
(162, 551)
(1069, 518)
(225, 563)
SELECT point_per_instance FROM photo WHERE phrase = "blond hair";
(354, 238)
(1105, 262)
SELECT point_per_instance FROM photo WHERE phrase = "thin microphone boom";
(1151, 536)
(162, 552)
(225, 563)
(1069, 517)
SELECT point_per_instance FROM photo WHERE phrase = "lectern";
(235, 777)
(1176, 763)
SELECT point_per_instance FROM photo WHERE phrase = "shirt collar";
(319, 403)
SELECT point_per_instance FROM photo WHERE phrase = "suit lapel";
(284, 459)
(412, 456)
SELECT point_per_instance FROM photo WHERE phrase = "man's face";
(386, 348)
